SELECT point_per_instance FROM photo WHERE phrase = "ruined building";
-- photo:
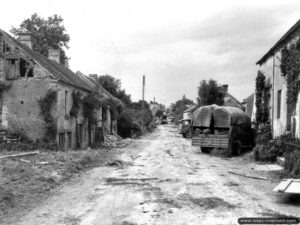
(26, 77)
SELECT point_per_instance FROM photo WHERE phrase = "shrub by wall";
(125, 124)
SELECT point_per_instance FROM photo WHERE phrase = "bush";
(264, 154)
(151, 127)
(125, 124)
(136, 129)
(292, 164)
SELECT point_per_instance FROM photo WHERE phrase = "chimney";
(54, 55)
(25, 39)
(225, 88)
(93, 76)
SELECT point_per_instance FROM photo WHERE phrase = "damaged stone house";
(282, 120)
(27, 76)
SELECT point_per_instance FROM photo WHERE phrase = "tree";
(180, 106)
(113, 85)
(210, 92)
(46, 34)
(159, 113)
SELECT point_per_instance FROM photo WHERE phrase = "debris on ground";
(19, 155)
(267, 167)
(232, 184)
(248, 176)
(129, 181)
(27, 181)
(115, 162)
(208, 202)
(290, 186)
(114, 141)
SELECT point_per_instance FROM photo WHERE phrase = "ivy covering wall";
(290, 68)
(262, 96)
(45, 104)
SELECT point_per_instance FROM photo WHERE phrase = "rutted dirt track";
(163, 181)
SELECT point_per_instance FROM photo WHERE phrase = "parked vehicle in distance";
(170, 119)
(164, 120)
(222, 128)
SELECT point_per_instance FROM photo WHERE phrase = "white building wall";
(270, 66)
(296, 118)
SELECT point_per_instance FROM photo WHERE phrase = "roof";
(58, 71)
(249, 98)
(227, 96)
(280, 42)
(61, 72)
(250, 102)
(98, 86)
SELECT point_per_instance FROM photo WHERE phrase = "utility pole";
(143, 98)
(143, 94)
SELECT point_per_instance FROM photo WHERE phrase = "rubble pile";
(6, 138)
(113, 141)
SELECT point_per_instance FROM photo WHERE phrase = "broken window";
(25, 68)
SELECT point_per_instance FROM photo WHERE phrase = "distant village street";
(161, 179)
(149, 112)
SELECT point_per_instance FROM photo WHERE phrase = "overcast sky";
(175, 44)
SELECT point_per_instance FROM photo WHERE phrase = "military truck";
(222, 127)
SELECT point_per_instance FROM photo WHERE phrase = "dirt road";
(163, 181)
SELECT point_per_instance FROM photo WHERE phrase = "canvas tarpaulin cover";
(202, 116)
(221, 116)
(224, 117)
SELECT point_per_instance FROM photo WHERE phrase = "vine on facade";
(290, 68)
(45, 104)
(76, 97)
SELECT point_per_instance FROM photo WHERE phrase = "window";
(66, 102)
(69, 139)
(278, 103)
(61, 141)
(25, 69)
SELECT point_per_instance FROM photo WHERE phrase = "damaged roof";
(98, 86)
(281, 41)
(57, 70)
